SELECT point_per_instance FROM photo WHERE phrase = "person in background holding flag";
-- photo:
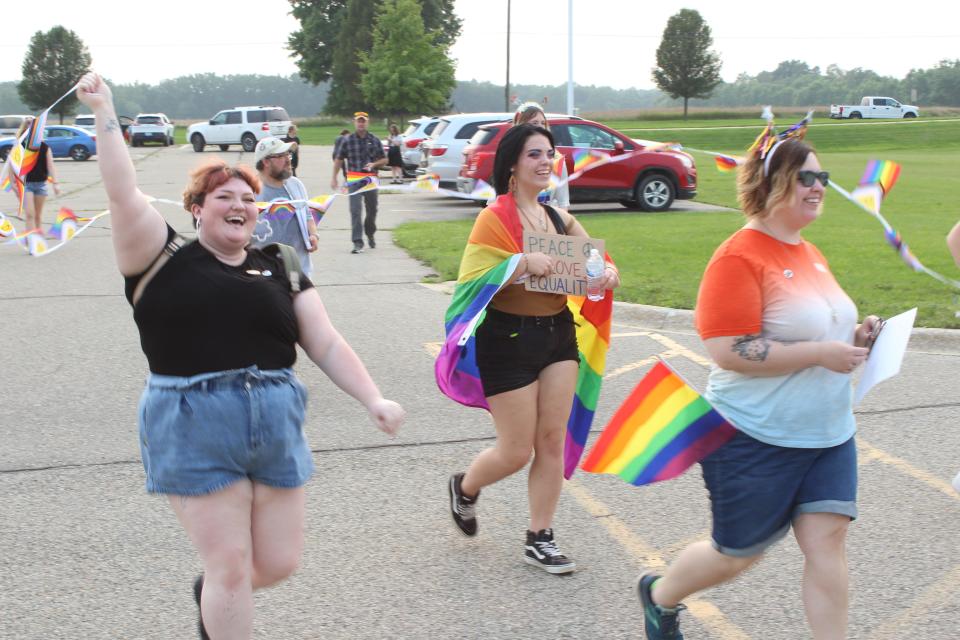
(784, 339)
(222, 413)
(35, 181)
(526, 350)
(363, 152)
(532, 113)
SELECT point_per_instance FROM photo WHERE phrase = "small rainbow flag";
(318, 206)
(882, 172)
(725, 164)
(660, 430)
(365, 181)
(583, 158)
(65, 226)
(6, 227)
(35, 132)
(483, 191)
(427, 182)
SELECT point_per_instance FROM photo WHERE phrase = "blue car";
(64, 142)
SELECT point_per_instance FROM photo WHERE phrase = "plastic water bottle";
(595, 267)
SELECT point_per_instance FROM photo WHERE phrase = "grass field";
(662, 256)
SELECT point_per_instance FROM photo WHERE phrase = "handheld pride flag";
(725, 164)
(65, 226)
(362, 181)
(6, 227)
(660, 430)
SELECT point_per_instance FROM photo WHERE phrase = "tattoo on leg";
(751, 347)
(112, 125)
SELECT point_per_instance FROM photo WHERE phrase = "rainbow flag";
(660, 430)
(318, 206)
(35, 132)
(725, 164)
(428, 182)
(363, 181)
(489, 260)
(882, 172)
(6, 227)
(483, 191)
(583, 158)
(65, 226)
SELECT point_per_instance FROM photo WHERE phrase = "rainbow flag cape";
(725, 164)
(660, 430)
(489, 260)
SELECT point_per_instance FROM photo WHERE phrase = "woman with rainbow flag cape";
(221, 416)
(784, 339)
(516, 353)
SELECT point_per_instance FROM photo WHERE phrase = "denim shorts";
(200, 433)
(757, 489)
(36, 188)
(512, 350)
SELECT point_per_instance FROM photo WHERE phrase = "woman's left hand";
(387, 415)
(867, 331)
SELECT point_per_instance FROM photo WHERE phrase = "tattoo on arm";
(751, 347)
(112, 125)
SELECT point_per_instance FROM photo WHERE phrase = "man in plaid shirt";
(363, 153)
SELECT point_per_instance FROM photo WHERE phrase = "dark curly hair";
(509, 150)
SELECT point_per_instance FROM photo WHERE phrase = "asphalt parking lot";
(88, 554)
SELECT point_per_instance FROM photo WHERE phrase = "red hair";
(214, 174)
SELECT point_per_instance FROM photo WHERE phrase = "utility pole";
(506, 88)
(570, 109)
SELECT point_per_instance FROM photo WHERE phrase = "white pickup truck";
(874, 107)
(151, 127)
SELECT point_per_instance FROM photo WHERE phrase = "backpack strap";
(556, 219)
(174, 244)
(291, 264)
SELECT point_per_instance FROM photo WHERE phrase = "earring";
(512, 184)
(198, 228)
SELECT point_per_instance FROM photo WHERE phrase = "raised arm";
(328, 349)
(139, 231)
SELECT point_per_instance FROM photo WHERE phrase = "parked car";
(241, 125)
(10, 124)
(646, 180)
(151, 127)
(64, 141)
(418, 130)
(443, 150)
(88, 122)
(874, 107)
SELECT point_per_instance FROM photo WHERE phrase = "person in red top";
(784, 339)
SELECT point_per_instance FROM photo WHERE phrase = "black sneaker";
(660, 623)
(542, 552)
(462, 508)
(357, 250)
(371, 243)
(197, 590)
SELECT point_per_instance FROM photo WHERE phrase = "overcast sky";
(615, 41)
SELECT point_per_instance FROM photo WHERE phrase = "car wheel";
(79, 152)
(855, 115)
(909, 114)
(224, 147)
(134, 142)
(249, 142)
(166, 141)
(198, 142)
(172, 141)
(655, 192)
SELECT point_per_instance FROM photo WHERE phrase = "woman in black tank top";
(221, 419)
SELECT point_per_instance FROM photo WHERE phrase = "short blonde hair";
(758, 193)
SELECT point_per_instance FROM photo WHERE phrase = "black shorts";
(512, 350)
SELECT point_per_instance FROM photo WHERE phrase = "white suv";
(443, 150)
(241, 125)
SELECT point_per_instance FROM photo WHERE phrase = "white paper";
(886, 356)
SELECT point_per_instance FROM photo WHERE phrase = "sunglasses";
(278, 155)
(807, 178)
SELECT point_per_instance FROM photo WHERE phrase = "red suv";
(648, 180)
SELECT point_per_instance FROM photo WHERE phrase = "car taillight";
(265, 127)
(438, 150)
(413, 143)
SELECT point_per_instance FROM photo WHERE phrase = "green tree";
(685, 65)
(54, 63)
(333, 33)
(405, 72)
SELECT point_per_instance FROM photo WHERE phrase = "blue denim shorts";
(36, 188)
(757, 489)
(199, 434)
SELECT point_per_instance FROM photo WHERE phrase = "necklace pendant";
(787, 273)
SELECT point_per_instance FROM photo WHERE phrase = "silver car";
(443, 151)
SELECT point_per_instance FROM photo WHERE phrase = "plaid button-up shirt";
(359, 152)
